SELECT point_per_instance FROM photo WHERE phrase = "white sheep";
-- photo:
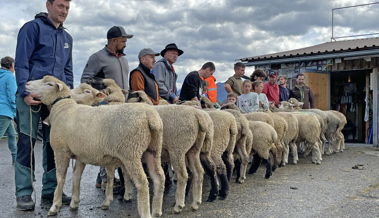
(103, 136)
(264, 137)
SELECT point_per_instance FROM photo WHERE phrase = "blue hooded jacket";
(8, 88)
(43, 50)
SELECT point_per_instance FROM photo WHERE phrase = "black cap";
(169, 47)
(272, 73)
(117, 31)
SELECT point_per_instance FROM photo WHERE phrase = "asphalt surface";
(332, 189)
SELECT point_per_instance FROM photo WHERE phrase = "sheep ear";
(124, 91)
(59, 87)
(301, 103)
(101, 95)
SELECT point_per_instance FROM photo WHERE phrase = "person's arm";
(228, 85)
(311, 98)
(68, 70)
(11, 87)
(91, 69)
(265, 102)
(160, 73)
(255, 101)
(137, 82)
(26, 42)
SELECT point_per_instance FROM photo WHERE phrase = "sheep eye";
(50, 84)
(87, 91)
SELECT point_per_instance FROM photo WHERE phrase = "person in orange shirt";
(141, 78)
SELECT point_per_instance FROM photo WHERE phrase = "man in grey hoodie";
(165, 75)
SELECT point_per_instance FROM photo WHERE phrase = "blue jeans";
(6, 126)
(28, 119)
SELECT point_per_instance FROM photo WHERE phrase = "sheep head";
(296, 102)
(231, 106)
(206, 103)
(285, 105)
(49, 88)
(138, 97)
(109, 87)
(85, 94)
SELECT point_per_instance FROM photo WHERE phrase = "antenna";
(334, 38)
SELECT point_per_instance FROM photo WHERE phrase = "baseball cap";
(147, 51)
(117, 31)
(272, 73)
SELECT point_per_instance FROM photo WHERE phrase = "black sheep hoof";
(223, 194)
(211, 198)
(252, 171)
(267, 176)
(273, 168)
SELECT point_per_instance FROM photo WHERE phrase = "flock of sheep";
(216, 142)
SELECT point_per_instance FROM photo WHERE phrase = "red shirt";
(272, 92)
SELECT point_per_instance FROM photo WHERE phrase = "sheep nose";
(27, 84)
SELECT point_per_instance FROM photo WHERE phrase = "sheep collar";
(58, 99)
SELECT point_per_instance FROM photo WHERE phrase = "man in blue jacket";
(8, 88)
(44, 47)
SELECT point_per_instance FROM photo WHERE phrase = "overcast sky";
(206, 30)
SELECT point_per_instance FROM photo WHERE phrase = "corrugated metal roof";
(324, 48)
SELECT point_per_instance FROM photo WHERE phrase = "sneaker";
(25, 203)
(48, 198)
(116, 187)
(98, 181)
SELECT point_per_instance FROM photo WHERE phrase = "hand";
(29, 99)
(261, 103)
(176, 100)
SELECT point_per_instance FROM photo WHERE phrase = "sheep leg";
(285, 154)
(109, 189)
(222, 175)
(178, 163)
(156, 173)
(255, 164)
(76, 178)
(197, 177)
(279, 154)
(295, 155)
(244, 159)
(210, 169)
(139, 179)
(127, 185)
(237, 168)
(62, 163)
(227, 157)
(268, 168)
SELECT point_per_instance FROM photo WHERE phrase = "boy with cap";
(165, 74)
(271, 89)
(110, 62)
(142, 79)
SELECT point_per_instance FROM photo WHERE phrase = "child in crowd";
(205, 88)
(248, 102)
(231, 98)
(263, 101)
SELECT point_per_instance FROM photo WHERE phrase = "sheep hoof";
(157, 214)
(194, 208)
(240, 181)
(50, 213)
(318, 163)
(177, 209)
(73, 208)
(223, 194)
(267, 176)
(104, 207)
(212, 197)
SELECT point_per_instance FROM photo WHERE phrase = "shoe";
(98, 181)
(25, 203)
(48, 198)
(116, 187)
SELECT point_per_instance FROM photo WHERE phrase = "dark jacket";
(305, 95)
(192, 87)
(149, 80)
(284, 94)
(43, 50)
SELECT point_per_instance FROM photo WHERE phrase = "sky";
(206, 30)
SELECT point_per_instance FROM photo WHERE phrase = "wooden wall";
(319, 83)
